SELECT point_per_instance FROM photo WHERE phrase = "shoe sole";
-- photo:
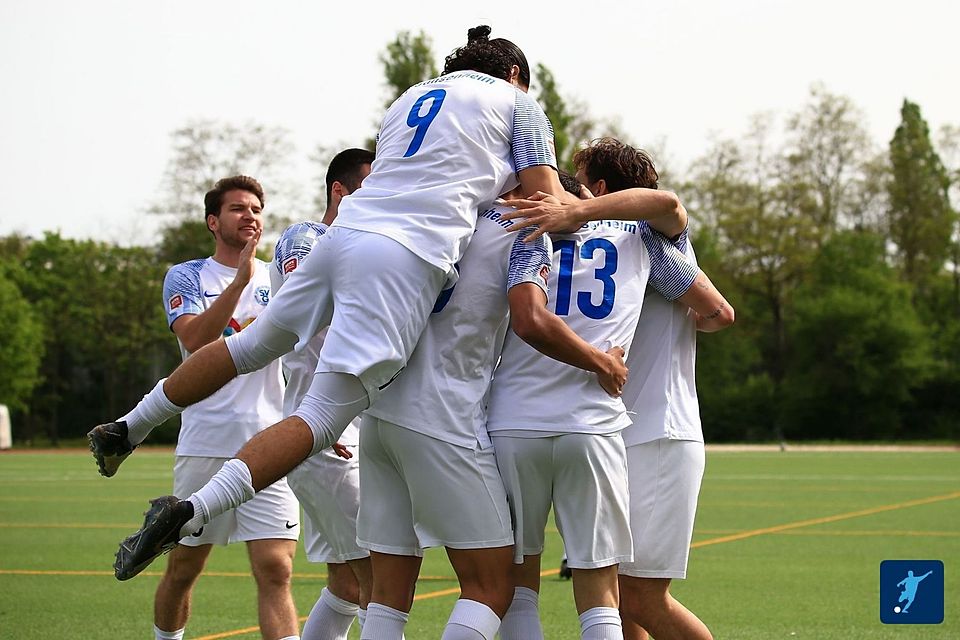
(107, 464)
(159, 515)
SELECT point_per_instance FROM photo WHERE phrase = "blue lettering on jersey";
(495, 215)
(422, 123)
(568, 253)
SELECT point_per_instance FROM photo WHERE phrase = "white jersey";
(218, 426)
(299, 366)
(442, 391)
(661, 390)
(446, 147)
(596, 286)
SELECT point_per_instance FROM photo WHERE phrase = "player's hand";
(545, 212)
(342, 451)
(614, 376)
(248, 259)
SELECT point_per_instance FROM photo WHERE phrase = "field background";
(787, 545)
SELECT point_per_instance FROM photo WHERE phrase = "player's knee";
(342, 582)
(272, 570)
(183, 570)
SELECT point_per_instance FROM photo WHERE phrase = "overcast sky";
(91, 90)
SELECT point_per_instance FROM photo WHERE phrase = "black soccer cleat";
(110, 446)
(565, 572)
(159, 534)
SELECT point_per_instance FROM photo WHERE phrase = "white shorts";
(375, 295)
(665, 480)
(418, 492)
(585, 477)
(274, 513)
(328, 488)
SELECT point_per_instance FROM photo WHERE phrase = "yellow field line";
(208, 574)
(855, 533)
(814, 521)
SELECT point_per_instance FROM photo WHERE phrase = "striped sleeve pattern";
(181, 290)
(670, 272)
(294, 245)
(529, 261)
(532, 142)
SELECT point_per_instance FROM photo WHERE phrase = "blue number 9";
(422, 123)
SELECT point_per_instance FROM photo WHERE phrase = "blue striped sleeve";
(670, 272)
(294, 245)
(529, 261)
(532, 143)
(181, 290)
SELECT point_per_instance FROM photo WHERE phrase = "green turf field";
(787, 545)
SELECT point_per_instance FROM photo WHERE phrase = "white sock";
(153, 410)
(383, 623)
(289, 638)
(227, 489)
(471, 620)
(601, 623)
(330, 618)
(361, 618)
(522, 620)
(160, 634)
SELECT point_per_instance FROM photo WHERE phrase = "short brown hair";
(618, 164)
(213, 200)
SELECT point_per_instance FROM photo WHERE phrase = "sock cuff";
(525, 594)
(341, 606)
(239, 470)
(475, 615)
(160, 634)
(375, 608)
(599, 615)
(290, 638)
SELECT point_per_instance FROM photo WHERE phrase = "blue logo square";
(911, 592)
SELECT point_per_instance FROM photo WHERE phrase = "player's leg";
(592, 513)
(526, 466)
(486, 590)
(171, 602)
(664, 477)
(271, 562)
(335, 609)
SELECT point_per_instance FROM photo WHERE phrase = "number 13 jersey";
(446, 146)
(596, 285)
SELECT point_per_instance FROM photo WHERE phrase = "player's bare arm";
(543, 180)
(661, 209)
(713, 311)
(547, 333)
(195, 331)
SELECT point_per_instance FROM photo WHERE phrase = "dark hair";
(617, 163)
(345, 169)
(492, 57)
(213, 200)
(570, 183)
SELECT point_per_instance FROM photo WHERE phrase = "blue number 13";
(422, 123)
(568, 252)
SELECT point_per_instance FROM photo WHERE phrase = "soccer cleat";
(159, 534)
(110, 446)
(565, 572)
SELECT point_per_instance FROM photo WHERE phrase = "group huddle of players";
(469, 338)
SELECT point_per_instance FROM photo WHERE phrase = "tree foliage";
(407, 60)
(21, 341)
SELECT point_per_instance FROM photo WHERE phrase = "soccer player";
(608, 165)
(445, 146)
(427, 431)
(204, 299)
(327, 485)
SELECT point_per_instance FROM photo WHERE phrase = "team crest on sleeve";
(262, 295)
(290, 265)
(175, 302)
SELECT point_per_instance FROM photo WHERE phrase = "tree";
(21, 341)
(203, 151)
(921, 221)
(408, 59)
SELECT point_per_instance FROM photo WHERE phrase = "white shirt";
(221, 424)
(292, 249)
(442, 391)
(661, 390)
(446, 146)
(596, 286)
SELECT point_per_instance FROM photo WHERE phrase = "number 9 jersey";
(446, 146)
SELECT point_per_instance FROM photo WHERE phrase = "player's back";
(442, 390)
(445, 147)
(596, 287)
